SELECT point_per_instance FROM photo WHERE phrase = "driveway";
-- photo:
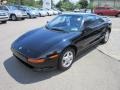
(93, 70)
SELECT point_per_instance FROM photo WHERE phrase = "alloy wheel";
(107, 34)
(67, 59)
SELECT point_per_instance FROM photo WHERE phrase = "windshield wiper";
(58, 29)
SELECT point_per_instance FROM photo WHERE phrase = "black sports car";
(57, 43)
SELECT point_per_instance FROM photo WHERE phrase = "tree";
(82, 4)
(65, 5)
(78, 6)
(59, 4)
(40, 2)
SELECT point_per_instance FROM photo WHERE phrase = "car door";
(109, 11)
(112, 12)
(90, 33)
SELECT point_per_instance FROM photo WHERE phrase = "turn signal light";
(36, 61)
(54, 56)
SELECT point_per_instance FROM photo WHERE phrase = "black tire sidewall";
(103, 41)
(14, 16)
(60, 66)
(29, 16)
(4, 22)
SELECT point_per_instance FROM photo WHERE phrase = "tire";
(13, 17)
(106, 37)
(118, 15)
(40, 15)
(29, 16)
(66, 59)
(22, 18)
(100, 14)
(3, 22)
(47, 14)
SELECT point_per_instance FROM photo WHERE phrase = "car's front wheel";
(106, 37)
(13, 17)
(66, 59)
(4, 22)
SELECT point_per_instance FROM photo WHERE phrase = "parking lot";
(97, 69)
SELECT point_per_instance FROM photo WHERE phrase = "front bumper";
(22, 16)
(4, 18)
(48, 64)
(43, 14)
(33, 15)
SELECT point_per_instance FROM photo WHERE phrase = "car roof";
(79, 14)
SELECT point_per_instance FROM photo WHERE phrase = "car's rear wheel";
(118, 15)
(13, 17)
(66, 59)
(106, 37)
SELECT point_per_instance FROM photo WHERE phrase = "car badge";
(20, 48)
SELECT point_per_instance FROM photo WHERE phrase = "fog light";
(36, 61)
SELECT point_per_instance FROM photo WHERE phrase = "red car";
(107, 11)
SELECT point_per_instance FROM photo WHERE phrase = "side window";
(21, 8)
(5, 8)
(99, 20)
(1, 8)
(90, 21)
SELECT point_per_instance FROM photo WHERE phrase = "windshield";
(26, 8)
(12, 8)
(68, 23)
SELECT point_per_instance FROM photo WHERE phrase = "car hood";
(15, 11)
(40, 40)
(2, 11)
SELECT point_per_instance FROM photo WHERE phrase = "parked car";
(35, 10)
(107, 11)
(31, 13)
(3, 16)
(51, 11)
(40, 12)
(14, 13)
(83, 11)
(76, 10)
(48, 11)
(58, 11)
(58, 43)
(55, 12)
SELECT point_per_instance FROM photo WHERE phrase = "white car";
(3, 16)
(58, 11)
(54, 11)
(76, 10)
(43, 13)
(49, 12)
(14, 13)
